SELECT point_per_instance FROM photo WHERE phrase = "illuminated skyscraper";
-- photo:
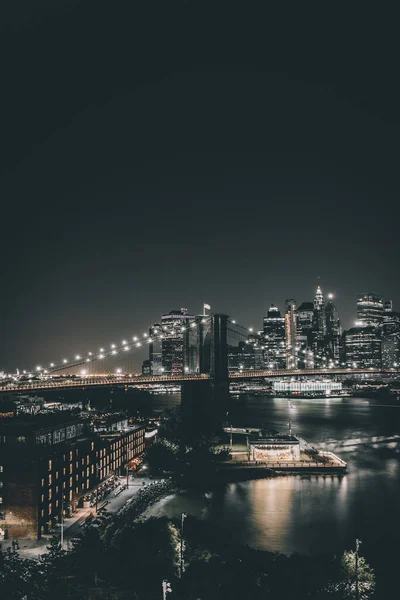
(319, 323)
(291, 334)
(333, 330)
(363, 348)
(274, 339)
(370, 309)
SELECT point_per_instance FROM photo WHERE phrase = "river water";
(314, 514)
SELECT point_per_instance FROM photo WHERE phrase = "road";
(73, 525)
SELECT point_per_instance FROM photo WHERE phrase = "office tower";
(274, 339)
(173, 327)
(363, 348)
(370, 310)
(291, 334)
(333, 330)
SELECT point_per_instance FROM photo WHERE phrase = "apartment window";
(70, 455)
(50, 463)
(64, 471)
(49, 479)
(42, 513)
(56, 503)
(70, 495)
(57, 488)
(49, 509)
(57, 474)
(1, 468)
(50, 494)
(42, 482)
(70, 482)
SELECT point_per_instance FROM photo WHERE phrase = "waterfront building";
(274, 339)
(370, 310)
(282, 448)
(49, 462)
(363, 347)
(291, 334)
(307, 387)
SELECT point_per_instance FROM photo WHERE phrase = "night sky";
(158, 155)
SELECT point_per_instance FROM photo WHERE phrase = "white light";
(138, 344)
(51, 364)
(145, 335)
(90, 354)
(203, 320)
(234, 322)
(38, 368)
(118, 371)
(65, 361)
(112, 345)
(88, 360)
(250, 329)
(331, 296)
(124, 342)
(77, 357)
(83, 372)
(101, 355)
(113, 352)
(101, 349)
(126, 348)
(193, 325)
(183, 329)
(134, 339)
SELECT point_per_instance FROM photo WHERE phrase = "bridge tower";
(204, 403)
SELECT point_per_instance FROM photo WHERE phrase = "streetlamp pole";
(127, 477)
(166, 588)
(183, 517)
(358, 542)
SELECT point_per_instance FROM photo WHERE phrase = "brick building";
(49, 462)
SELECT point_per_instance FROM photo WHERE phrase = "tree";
(352, 576)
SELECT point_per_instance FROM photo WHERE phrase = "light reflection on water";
(315, 514)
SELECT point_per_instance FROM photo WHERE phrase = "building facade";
(291, 334)
(363, 348)
(370, 310)
(274, 339)
(49, 462)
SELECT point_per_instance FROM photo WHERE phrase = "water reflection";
(315, 514)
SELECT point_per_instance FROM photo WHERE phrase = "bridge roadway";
(50, 383)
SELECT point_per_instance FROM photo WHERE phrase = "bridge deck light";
(65, 361)
(51, 365)
(112, 345)
(77, 357)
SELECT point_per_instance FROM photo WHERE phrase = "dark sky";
(156, 155)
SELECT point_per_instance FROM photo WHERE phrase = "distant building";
(333, 331)
(243, 357)
(50, 462)
(291, 334)
(370, 309)
(363, 348)
(319, 322)
(274, 339)
(391, 350)
(166, 349)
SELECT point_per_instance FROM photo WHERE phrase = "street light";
(183, 517)
(166, 588)
(358, 542)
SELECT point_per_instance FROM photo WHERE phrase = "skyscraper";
(363, 348)
(166, 351)
(370, 309)
(291, 334)
(319, 323)
(333, 330)
(274, 339)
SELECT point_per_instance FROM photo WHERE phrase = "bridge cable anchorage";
(90, 358)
